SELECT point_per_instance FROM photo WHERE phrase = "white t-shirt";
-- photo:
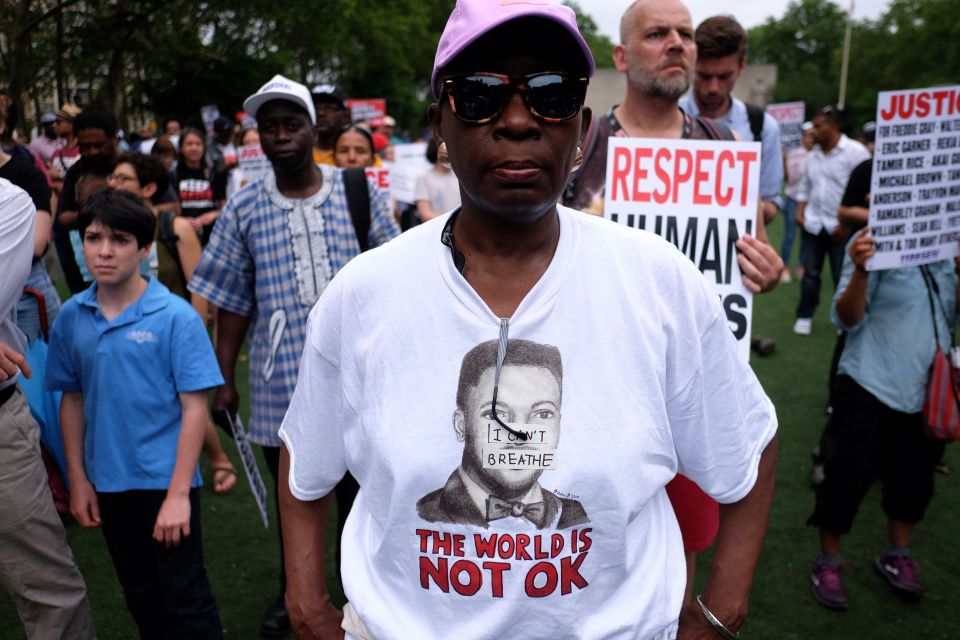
(824, 180)
(441, 190)
(651, 385)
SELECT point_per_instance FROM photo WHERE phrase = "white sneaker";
(803, 326)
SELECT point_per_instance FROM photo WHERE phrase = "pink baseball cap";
(473, 18)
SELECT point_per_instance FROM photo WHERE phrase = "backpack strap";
(755, 116)
(592, 134)
(358, 201)
(166, 235)
(715, 130)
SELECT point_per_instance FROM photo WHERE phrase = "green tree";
(805, 44)
(601, 46)
(915, 43)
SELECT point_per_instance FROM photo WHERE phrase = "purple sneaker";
(901, 572)
(827, 586)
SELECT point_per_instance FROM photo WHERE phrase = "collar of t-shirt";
(153, 298)
(536, 304)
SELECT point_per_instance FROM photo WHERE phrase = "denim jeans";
(813, 249)
(789, 229)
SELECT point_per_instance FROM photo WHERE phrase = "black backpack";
(358, 201)
(755, 116)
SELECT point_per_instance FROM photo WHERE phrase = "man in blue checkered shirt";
(275, 246)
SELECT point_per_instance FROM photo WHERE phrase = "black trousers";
(166, 590)
(813, 250)
(346, 491)
(874, 441)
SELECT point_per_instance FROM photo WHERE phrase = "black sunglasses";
(480, 97)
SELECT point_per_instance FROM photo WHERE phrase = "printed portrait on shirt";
(499, 474)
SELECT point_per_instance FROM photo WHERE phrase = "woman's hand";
(861, 249)
(173, 520)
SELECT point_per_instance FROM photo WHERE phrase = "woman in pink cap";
(513, 384)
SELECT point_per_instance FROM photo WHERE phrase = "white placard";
(249, 461)
(252, 163)
(915, 186)
(701, 195)
(409, 161)
(209, 114)
(789, 115)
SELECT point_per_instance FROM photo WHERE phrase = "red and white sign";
(789, 115)
(379, 176)
(370, 110)
(701, 195)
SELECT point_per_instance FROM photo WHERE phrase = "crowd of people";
(176, 258)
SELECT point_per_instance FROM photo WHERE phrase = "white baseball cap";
(281, 88)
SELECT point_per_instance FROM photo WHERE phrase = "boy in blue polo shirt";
(134, 363)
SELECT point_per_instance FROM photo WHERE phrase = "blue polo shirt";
(130, 371)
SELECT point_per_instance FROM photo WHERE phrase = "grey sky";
(749, 12)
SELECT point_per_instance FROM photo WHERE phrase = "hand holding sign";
(862, 249)
(703, 196)
(760, 264)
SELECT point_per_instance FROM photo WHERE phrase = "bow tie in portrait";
(497, 508)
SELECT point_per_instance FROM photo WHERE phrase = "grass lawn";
(241, 555)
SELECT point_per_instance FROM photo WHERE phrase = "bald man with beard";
(658, 55)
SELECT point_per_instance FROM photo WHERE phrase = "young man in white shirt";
(821, 192)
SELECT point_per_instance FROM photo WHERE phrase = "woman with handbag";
(894, 319)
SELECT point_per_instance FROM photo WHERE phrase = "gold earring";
(577, 160)
(442, 156)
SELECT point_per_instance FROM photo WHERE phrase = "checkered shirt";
(269, 258)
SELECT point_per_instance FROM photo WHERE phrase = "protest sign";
(242, 438)
(379, 176)
(915, 186)
(789, 115)
(252, 163)
(700, 195)
(209, 114)
(409, 161)
(371, 110)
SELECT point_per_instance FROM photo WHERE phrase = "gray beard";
(659, 87)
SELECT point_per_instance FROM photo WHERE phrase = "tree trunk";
(58, 61)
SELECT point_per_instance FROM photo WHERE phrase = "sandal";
(224, 478)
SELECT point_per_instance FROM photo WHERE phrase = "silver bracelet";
(717, 625)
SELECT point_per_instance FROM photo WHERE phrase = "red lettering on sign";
(681, 175)
(747, 158)
(700, 176)
(640, 174)
(662, 154)
(725, 157)
(621, 169)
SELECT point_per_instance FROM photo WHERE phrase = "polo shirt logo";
(141, 337)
